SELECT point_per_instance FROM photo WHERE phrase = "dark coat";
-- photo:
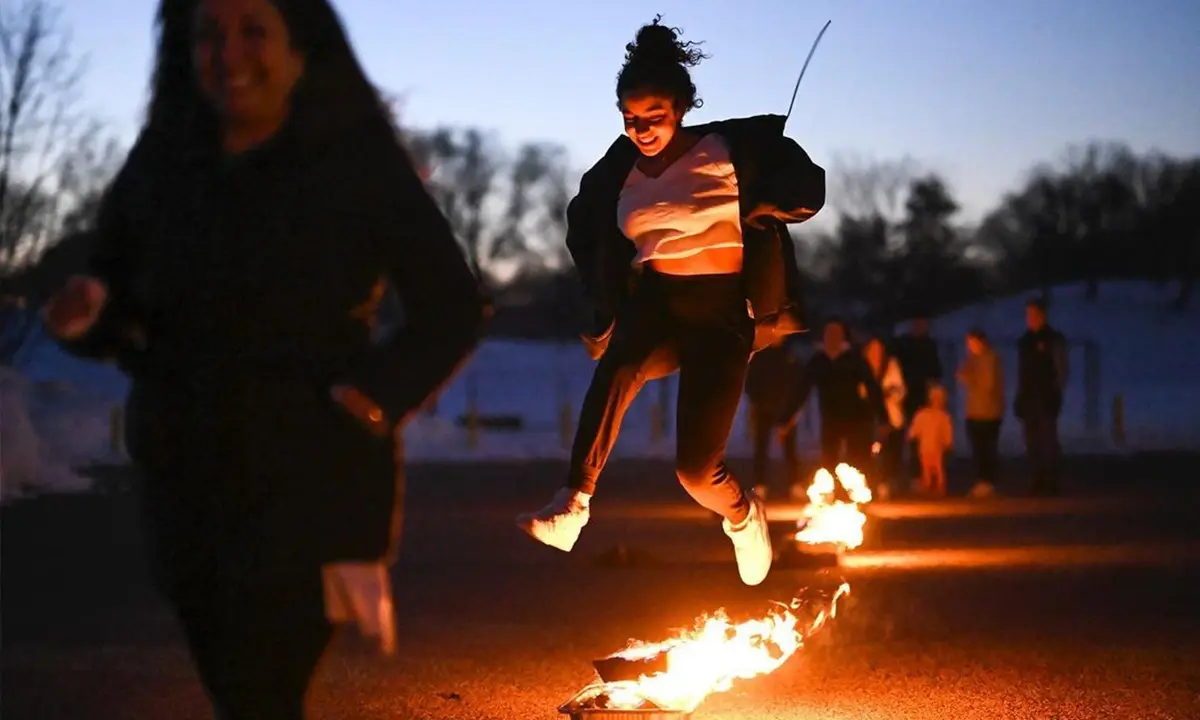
(240, 292)
(778, 185)
(847, 390)
(772, 378)
(921, 365)
(1041, 373)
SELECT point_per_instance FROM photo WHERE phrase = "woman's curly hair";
(658, 61)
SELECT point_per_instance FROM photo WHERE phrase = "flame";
(829, 520)
(709, 658)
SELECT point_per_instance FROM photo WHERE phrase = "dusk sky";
(977, 90)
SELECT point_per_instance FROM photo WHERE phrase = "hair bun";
(660, 45)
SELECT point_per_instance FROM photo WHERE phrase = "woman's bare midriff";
(717, 261)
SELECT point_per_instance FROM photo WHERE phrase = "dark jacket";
(778, 185)
(846, 388)
(920, 366)
(772, 378)
(1041, 373)
(240, 292)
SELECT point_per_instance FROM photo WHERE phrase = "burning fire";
(828, 520)
(709, 658)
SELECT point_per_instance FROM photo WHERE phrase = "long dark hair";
(333, 96)
(979, 334)
(884, 359)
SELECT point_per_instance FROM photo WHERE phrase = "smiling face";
(834, 337)
(1035, 318)
(873, 351)
(244, 59)
(651, 120)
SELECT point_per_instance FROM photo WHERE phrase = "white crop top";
(690, 208)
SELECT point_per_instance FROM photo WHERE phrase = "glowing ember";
(828, 520)
(709, 658)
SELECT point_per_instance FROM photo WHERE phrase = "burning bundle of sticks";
(832, 521)
(674, 676)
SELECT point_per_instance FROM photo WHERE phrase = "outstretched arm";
(808, 379)
(915, 427)
(893, 382)
(118, 332)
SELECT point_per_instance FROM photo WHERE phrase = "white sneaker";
(751, 543)
(559, 523)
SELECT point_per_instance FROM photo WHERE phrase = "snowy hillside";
(1145, 353)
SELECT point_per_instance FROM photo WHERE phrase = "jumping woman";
(679, 234)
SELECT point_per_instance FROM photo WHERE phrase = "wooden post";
(566, 424)
(1091, 388)
(664, 405)
(656, 422)
(566, 419)
(1118, 419)
(472, 412)
(116, 431)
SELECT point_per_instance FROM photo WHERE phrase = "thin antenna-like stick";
(806, 61)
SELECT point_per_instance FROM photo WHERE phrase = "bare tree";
(1101, 213)
(465, 166)
(46, 144)
(534, 223)
(861, 188)
(869, 199)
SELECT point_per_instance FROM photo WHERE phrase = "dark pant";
(984, 436)
(1042, 449)
(765, 420)
(700, 326)
(918, 393)
(847, 441)
(255, 636)
(891, 458)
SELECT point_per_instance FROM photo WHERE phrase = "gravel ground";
(1083, 607)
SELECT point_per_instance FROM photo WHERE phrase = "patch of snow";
(43, 437)
(1145, 353)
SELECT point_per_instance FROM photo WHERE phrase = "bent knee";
(694, 472)
(625, 374)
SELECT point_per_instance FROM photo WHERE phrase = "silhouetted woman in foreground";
(679, 235)
(238, 253)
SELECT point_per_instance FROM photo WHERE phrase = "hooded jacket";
(778, 185)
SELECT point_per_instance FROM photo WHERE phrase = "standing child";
(933, 434)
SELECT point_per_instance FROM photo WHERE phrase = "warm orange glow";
(830, 521)
(709, 658)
